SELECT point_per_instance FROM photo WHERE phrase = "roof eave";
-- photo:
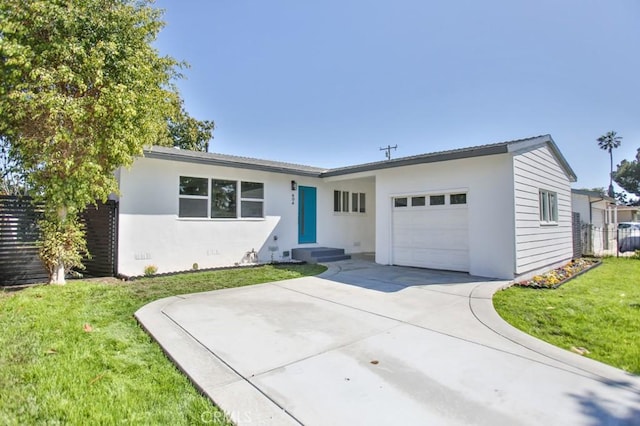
(178, 156)
(420, 159)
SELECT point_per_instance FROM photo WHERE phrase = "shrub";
(150, 270)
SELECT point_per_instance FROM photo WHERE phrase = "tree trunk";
(58, 276)
(610, 191)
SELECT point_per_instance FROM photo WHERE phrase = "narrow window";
(400, 202)
(354, 202)
(548, 207)
(223, 198)
(458, 199)
(436, 200)
(418, 201)
(193, 197)
(251, 199)
(337, 197)
(345, 201)
(362, 203)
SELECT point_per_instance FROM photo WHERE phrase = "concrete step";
(319, 254)
(332, 258)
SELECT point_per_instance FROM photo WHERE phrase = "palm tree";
(608, 142)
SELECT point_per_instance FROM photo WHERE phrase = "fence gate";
(102, 239)
(19, 233)
(577, 235)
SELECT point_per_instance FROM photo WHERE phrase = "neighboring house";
(628, 214)
(599, 217)
(594, 208)
(500, 210)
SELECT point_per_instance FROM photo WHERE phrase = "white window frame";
(346, 202)
(238, 199)
(548, 207)
(195, 197)
(249, 199)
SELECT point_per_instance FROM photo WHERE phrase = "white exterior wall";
(150, 232)
(540, 246)
(489, 185)
(580, 204)
(354, 232)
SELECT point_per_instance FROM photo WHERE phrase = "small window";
(193, 197)
(252, 199)
(458, 199)
(345, 201)
(337, 198)
(362, 203)
(548, 207)
(436, 200)
(400, 202)
(190, 207)
(194, 186)
(418, 201)
(252, 190)
(223, 198)
(354, 202)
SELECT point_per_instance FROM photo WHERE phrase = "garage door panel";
(452, 260)
(436, 237)
(456, 239)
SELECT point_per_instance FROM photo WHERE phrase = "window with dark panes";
(362, 203)
(223, 198)
(337, 198)
(418, 201)
(345, 201)
(251, 199)
(193, 197)
(354, 202)
(458, 199)
(400, 202)
(436, 200)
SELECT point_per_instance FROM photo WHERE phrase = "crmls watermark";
(217, 417)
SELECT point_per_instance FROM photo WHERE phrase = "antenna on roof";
(388, 149)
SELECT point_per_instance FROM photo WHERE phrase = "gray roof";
(592, 194)
(175, 154)
(301, 170)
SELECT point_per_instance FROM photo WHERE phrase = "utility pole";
(388, 150)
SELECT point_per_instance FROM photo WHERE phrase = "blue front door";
(306, 214)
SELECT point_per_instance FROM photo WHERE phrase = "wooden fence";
(19, 233)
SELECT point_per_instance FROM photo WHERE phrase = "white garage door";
(431, 231)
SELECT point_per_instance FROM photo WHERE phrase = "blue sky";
(328, 83)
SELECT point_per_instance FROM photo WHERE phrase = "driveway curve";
(377, 345)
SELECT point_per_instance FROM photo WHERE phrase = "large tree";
(627, 175)
(186, 132)
(609, 142)
(82, 90)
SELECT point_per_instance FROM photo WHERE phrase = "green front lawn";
(598, 311)
(76, 355)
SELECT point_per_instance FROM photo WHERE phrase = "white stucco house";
(501, 210)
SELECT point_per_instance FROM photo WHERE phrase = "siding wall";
(540, 246)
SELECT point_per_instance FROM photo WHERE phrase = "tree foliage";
(81, 92)
(12, 174)
(627, 175)
(188, 133)
(609, 142)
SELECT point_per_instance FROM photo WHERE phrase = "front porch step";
(319, 254)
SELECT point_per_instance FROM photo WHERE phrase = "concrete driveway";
(379, 345)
